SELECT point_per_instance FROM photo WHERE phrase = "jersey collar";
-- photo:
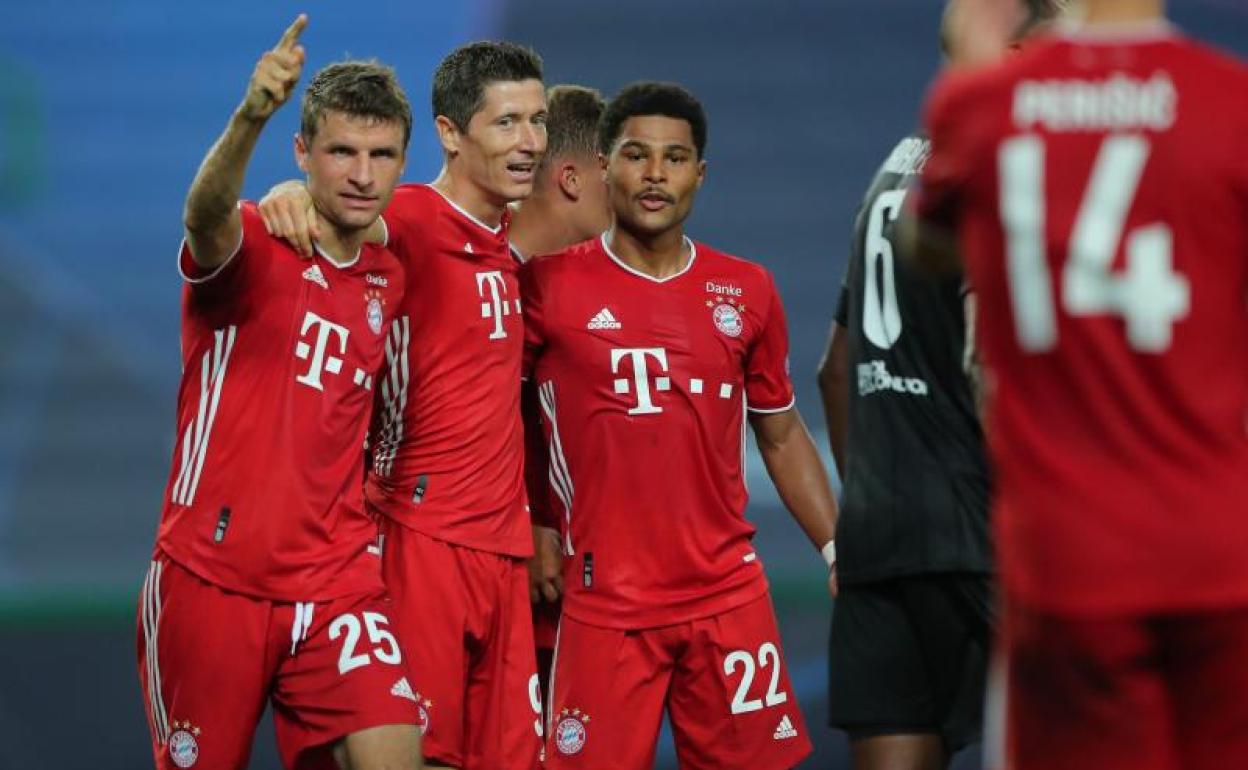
(693, 255)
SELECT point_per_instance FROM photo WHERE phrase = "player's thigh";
(951, 618)
(431, 586)
(877, 673)
(503, 706)
(1207, 671)
(1085, 693)
(202, 667)
(608, 689)
(343, 673)
(731, 701)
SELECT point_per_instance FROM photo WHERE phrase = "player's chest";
(328, 326)
(640, 342)
(466, 296)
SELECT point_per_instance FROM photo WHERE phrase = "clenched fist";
(276, 74)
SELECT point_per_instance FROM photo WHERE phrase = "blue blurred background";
(106, 109)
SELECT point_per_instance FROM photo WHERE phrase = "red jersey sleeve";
(237, 269)
(953, 142)
(767, 384)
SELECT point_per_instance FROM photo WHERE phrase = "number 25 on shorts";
(385, 646)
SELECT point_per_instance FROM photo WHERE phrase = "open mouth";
(522, 171)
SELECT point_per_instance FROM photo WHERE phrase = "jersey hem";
(648, 618)
(485, 545)
(251, 592)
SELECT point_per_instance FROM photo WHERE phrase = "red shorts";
(722, 679)
(1138, 693)
(465, 617)
(209, 659)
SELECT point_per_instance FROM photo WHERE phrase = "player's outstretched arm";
(794, 466)
(213, 224)
(289, 213)
(834, 392)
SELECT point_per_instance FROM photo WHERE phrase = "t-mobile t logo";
(495, 305)
(320, 361)
(641, 376)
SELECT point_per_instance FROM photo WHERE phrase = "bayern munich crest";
(570, 732)
(728, 319)
(373, 311)
(183, 748)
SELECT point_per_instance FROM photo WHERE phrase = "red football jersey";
(448, 442)
(644, 384)
(279, 362)
(1099, 186)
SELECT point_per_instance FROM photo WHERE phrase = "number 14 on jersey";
(1149, 295)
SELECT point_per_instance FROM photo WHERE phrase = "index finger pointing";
(291, 36)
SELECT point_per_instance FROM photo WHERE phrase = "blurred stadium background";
(105, 111)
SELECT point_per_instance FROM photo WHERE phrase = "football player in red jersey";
(265, 570)
(648, 350)
(568, 205)
(1097, 190)
(446, 473)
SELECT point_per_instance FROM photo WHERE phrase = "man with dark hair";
(1097, 190)
(446, 476)
(911, 628)
(647, 351)
(265, 571)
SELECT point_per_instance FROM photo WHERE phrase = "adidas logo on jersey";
(315, 275)
(402, 689)
(604, 320)
(785, 729)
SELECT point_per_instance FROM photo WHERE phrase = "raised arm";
(211, 218)
(794, 466)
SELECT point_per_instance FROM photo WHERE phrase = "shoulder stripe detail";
(195, 437)
(560, 477)
(393, 397)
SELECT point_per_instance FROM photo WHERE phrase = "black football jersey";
(915, 494)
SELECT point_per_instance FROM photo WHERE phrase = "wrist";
(829, 553)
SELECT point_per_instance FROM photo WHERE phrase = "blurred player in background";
(911, 627)
(648, 350)
(1096, 186)
(265, 583)
(568, 205)
(447, 453)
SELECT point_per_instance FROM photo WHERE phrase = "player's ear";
(701, 172)
(569, 181)
(301, 152)
(448, 135)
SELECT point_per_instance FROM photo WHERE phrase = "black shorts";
(909, 656)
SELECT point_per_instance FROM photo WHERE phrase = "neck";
(659, 255)
(1120, 11)
(538, 228)
(341, 246)
(468, 197)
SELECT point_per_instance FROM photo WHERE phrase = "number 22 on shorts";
(768, 657)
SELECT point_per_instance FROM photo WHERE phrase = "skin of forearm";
(794, 466)
(219, 182)
(834, 392)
